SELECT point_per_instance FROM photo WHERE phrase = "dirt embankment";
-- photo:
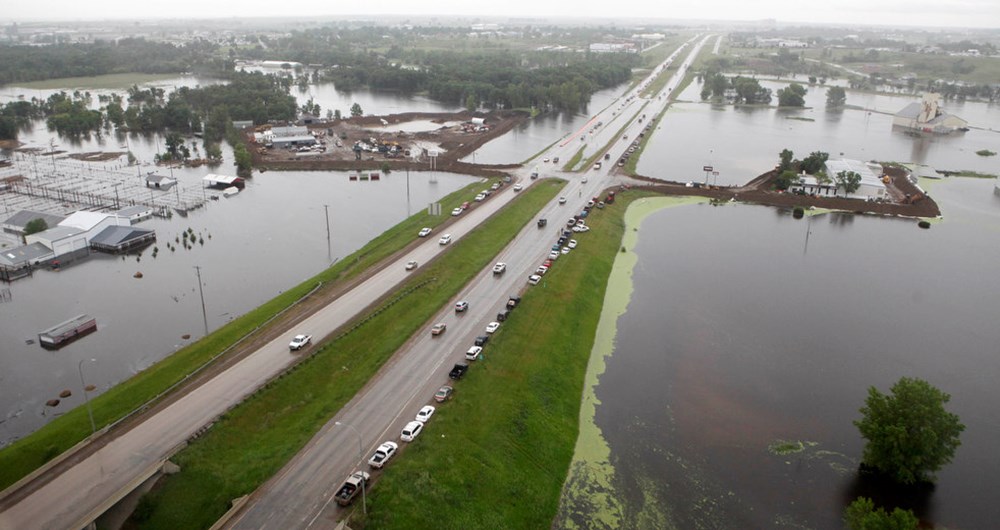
(910, 201)
(451, 139)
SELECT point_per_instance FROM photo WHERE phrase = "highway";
(299, 496)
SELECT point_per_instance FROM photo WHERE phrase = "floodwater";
(742, 333)
(530, 137)
(255, 245)
(725, 394)
(741, 143)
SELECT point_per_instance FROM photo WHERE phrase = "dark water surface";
(739, 336)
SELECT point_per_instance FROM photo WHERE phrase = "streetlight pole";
(361, 457)
(326, 211)
(79, 367)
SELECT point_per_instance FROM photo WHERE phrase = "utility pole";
(201, 291)
(326, 211)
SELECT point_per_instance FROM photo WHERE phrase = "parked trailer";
(61, 334)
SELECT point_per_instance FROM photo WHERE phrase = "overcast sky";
(960, 13)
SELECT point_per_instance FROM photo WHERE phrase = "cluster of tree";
(789, 168)
(16, 115)
(497, 79)
(792, 96)
(836, 96)
(743, 89)
(909, 436)
(31, 63)
(71, 115)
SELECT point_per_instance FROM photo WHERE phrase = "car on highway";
(445, 239)
(457, 211)
(518, 187)
(581, 228)
(383, 454)
(424, 232)
(584, 180)
(542, 222)
(495, 186)
(458, 371)
(425, 413)
(473, 353)
(555, 160)
(540, 271)
(562, 200)
(571, 222)
(482, 340)
(534, 279)
(554, 255)
(492, 327)
(410, 265)
(299, 342)
(461, 306)
(411, 431)
(546, 160)
(571, 243)
(480, 198)
(443, 394)
(499, 268)
(438, 329)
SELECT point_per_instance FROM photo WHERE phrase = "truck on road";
(351, 486)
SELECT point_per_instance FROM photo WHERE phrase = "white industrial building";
(927, 116)
(871, 188)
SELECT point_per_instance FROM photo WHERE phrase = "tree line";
(32, 63)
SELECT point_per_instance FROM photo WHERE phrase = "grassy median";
(29, 453)
(255, 439)
(497, 455)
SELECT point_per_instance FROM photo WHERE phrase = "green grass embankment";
(29, 453)
(497, 455)
(254, 440)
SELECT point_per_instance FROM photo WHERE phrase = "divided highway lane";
(301, 494)
(76, 496)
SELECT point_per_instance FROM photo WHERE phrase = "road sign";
(706, 169)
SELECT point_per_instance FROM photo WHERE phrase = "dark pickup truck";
(542, 223)
(350, 488)
(458, 371)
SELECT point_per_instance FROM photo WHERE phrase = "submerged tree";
(792, 96)
(836, 97)
(909, 433)
(862, 515)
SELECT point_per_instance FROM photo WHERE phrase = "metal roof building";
(122, 238)
(15, 224)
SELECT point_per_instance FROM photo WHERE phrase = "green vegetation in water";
(27, 454)
(784, 447)
(986, 152)
(589, 498)
(255, 439)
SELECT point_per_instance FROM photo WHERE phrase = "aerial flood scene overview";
(516, 266)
